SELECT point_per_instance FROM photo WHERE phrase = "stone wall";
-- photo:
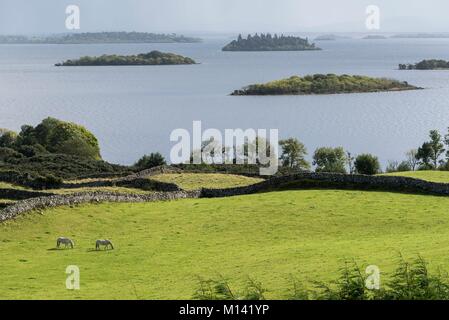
(339, 181)
(42, 203)
(326, 180)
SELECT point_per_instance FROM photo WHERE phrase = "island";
(433, 64)
(268, 42)
(374, 37)
(152, 58)
(324, 84)
(330, 37)
(421, 36)
(99, 37)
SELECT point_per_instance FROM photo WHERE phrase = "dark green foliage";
(152, 58)
(324, 84)
(410, 281)
(56, 136)
(9, 155)
(432, 64)
(330, 160)
(61, 166)
(293, 154)
(430, 152)
(394, 166)
(150, 161)
(267, 42)
(102, 37)
(7, 138)
(219, 289)
(31, 150)
(214, 290)
(367, 164)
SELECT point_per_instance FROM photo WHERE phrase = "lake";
(132, 110)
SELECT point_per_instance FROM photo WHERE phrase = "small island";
(99, 37)
(268, 42)
(152, 58)
(374, 37)
(330, 37)
(421, 36)
(432, 64)
(324, 84)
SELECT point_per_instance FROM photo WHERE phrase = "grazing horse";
(65, 241)
(106, 243)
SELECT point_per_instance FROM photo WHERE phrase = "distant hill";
(152, 58)
(330, 37)
(421, 36)
(374, 37)
(268, 42)
(99, 37)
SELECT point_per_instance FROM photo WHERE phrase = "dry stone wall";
(388, 183)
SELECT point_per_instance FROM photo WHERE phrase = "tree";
(367, 164)
(424, 155)
(330, 160)
(62, 137)
(7, 138)
(446, 142)
(293, 154)
(150, 161)
(412, 160)
(437, 146)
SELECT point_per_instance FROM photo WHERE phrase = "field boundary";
(295, 181)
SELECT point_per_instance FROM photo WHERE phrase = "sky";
(223, 16)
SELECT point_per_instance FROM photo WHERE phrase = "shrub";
(58, 136)
(9, 155)
(150, 161)
(367, 164)
(7, 138)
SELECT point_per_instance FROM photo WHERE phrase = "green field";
(162, 247)
(433, 176)
(195, 181)
(7, 185)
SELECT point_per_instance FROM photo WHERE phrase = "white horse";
(106, 243)
(65, 241)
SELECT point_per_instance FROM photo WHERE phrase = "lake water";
(132, 110)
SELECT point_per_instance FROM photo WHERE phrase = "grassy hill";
(428, 175)
(162, 247)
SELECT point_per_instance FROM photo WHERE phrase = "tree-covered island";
(99, 37)
(432, 64)
(268, 42)
(152, 58)
(324, 84)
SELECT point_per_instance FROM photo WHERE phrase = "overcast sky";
(192, 16)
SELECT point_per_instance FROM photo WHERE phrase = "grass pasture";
(195, 181)
(162, 247)
(427, 175)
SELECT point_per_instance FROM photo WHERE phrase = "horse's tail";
(57, 243)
